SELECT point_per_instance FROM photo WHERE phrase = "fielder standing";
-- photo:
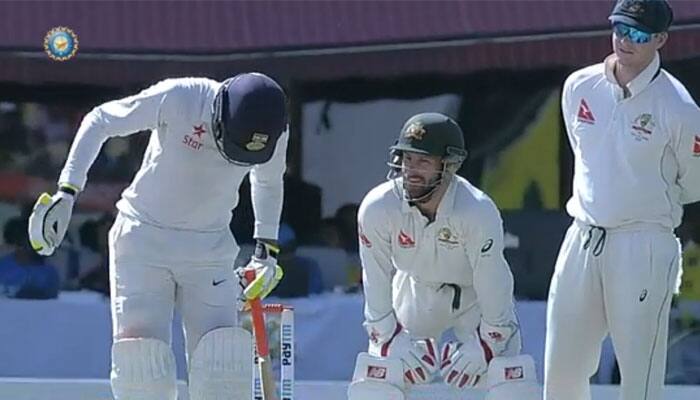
(170, 246)
(635, 134)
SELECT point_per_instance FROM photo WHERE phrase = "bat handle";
(256, 312)
(258, 317)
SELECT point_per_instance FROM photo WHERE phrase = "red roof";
(130, 42)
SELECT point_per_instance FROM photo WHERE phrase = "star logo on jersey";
(696, 146)
(406, 241)
(642, 127)
(584, 113)
(198, 131)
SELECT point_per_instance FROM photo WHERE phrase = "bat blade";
(267, 379)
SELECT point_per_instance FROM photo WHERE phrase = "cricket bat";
(267, 379)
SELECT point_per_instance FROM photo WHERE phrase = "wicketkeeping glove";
(464, 364)
(418, 356)
(50, 218)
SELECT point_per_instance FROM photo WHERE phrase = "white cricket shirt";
(183, 182)
(463, 246)
(637, 159)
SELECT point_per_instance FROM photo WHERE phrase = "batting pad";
(221, 367)
(143, 369)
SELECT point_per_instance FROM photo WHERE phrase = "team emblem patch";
(633, 7)
(447, 238)
(257, 142)
(415, 131)
(642, 127)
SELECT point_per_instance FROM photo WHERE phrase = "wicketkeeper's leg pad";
(221, 366)
(377, 378)
(143, 368)
(513, 378)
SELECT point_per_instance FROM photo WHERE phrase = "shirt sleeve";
(267, 191)
(375, 255)
(493, 280)
(567, 110)
(115, 118)
(687, 141)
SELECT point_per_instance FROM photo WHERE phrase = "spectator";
(302, 206)
(93, 237)
(346, 220)
(302, 275)
(23, 273)
(301, 210)
(328, 233)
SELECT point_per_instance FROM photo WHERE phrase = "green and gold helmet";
(430, 134)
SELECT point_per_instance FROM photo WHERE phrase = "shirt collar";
(639, 83)
(447, 202)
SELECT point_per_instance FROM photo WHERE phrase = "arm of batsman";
(267, 273)
(49, 220)
(388, 339)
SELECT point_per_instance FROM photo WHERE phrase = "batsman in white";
(635, 134)
(170, 245)
(431, 246)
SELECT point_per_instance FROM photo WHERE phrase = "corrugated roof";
(140, 41)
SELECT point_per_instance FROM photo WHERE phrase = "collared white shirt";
(183, 183)
(637, 157)
(463, 246)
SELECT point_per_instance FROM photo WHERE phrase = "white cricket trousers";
(154, 271)
(610, 281)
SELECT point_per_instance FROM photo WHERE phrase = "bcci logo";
(257, 142)
(61, 43)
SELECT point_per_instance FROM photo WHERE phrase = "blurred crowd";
(34, 142)
(318, 254)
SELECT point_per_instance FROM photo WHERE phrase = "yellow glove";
(50, 218)
(267, 273)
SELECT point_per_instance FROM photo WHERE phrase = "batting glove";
(50, 218)
(267, 273)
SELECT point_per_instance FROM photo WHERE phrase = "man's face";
(634, 48)
(420, 172)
